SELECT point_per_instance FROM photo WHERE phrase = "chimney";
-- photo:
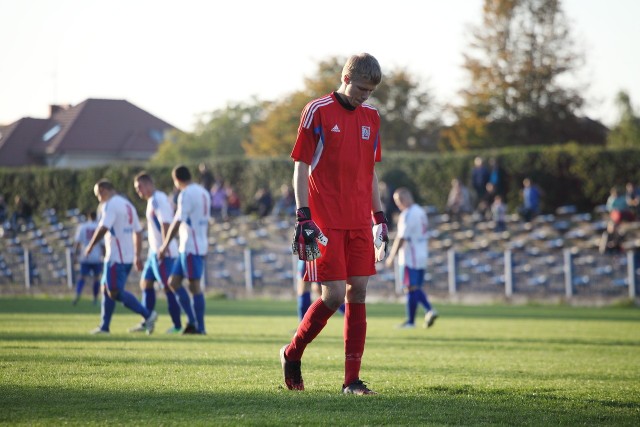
(56, 108)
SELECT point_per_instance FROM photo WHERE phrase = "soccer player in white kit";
(191, 223)
(159, 216)
(91, 265)
(411, 245)
(120, 226)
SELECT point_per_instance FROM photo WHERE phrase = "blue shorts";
(114, 275)
(158, 271)
(90, 268)
(412, 277)
(190, 266)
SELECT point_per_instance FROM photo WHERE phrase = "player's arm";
(376, 204)
(380, 229)
(307, 234)
(97, 236)
(164, 230)
(301, 184)
(397, 244)
(170, 234)
(137, 250)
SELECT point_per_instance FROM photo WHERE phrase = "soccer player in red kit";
(336, 190)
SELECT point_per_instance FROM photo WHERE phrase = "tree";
(219, 133)
(408, 116)
(277, 132)
(517, 60)
(625, 134)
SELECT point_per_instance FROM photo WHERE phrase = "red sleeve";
(306, 141)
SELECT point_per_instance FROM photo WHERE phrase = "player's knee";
(194, 287)
(356, 294)
(333, 301)
(175, 283)
(114, 294)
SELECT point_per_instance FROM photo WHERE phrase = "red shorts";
(348, 253)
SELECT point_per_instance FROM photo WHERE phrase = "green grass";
(505, 365)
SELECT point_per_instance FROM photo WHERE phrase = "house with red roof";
(93, 133)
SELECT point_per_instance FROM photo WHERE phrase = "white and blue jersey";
(120, 218)
(413, 228)
(194, 204)
(159, 211)
(83, 236)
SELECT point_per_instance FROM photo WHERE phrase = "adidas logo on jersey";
(335, 129)
(308, 232)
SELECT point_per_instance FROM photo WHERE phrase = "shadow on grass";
(440, 405)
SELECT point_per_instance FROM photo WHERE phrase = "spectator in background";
(633, 199)
(262, 202)
(459, 201)
(22, 212)
(612, 239)
(499, 213)
(479, 179)
(233, 201)
(3, 209)
(497, 177)
(206, 177)
(286, 204)
(485, 203)
(531, 195)
(218, 201)
(617, 206)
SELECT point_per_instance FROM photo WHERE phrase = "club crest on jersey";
(366, 132)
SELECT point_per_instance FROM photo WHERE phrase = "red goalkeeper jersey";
(341, 144)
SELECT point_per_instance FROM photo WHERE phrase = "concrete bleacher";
(253, 256)
(537, 249)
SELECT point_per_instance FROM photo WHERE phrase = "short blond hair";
(363, 67)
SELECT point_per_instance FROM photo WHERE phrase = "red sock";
(313, 322)
(355, 332)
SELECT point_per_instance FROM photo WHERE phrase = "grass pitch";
(525, 365)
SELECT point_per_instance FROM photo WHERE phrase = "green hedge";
(570, 174)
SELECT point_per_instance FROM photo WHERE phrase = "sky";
(180, 59)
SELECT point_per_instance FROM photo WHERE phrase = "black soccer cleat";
(292, 373)
(357, 387)
(190, 330)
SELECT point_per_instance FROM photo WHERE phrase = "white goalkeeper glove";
(380, 236)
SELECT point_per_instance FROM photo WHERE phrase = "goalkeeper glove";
(307, 236)
(380, 235)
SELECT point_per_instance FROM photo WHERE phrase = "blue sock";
(108, 306)
(185, 303)
(131, 302)
(412, 305)
(304, 302)
(79, 286)
(174, 308)
(422, 299)
(96, 289)
(198, 307)
(149, 298)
